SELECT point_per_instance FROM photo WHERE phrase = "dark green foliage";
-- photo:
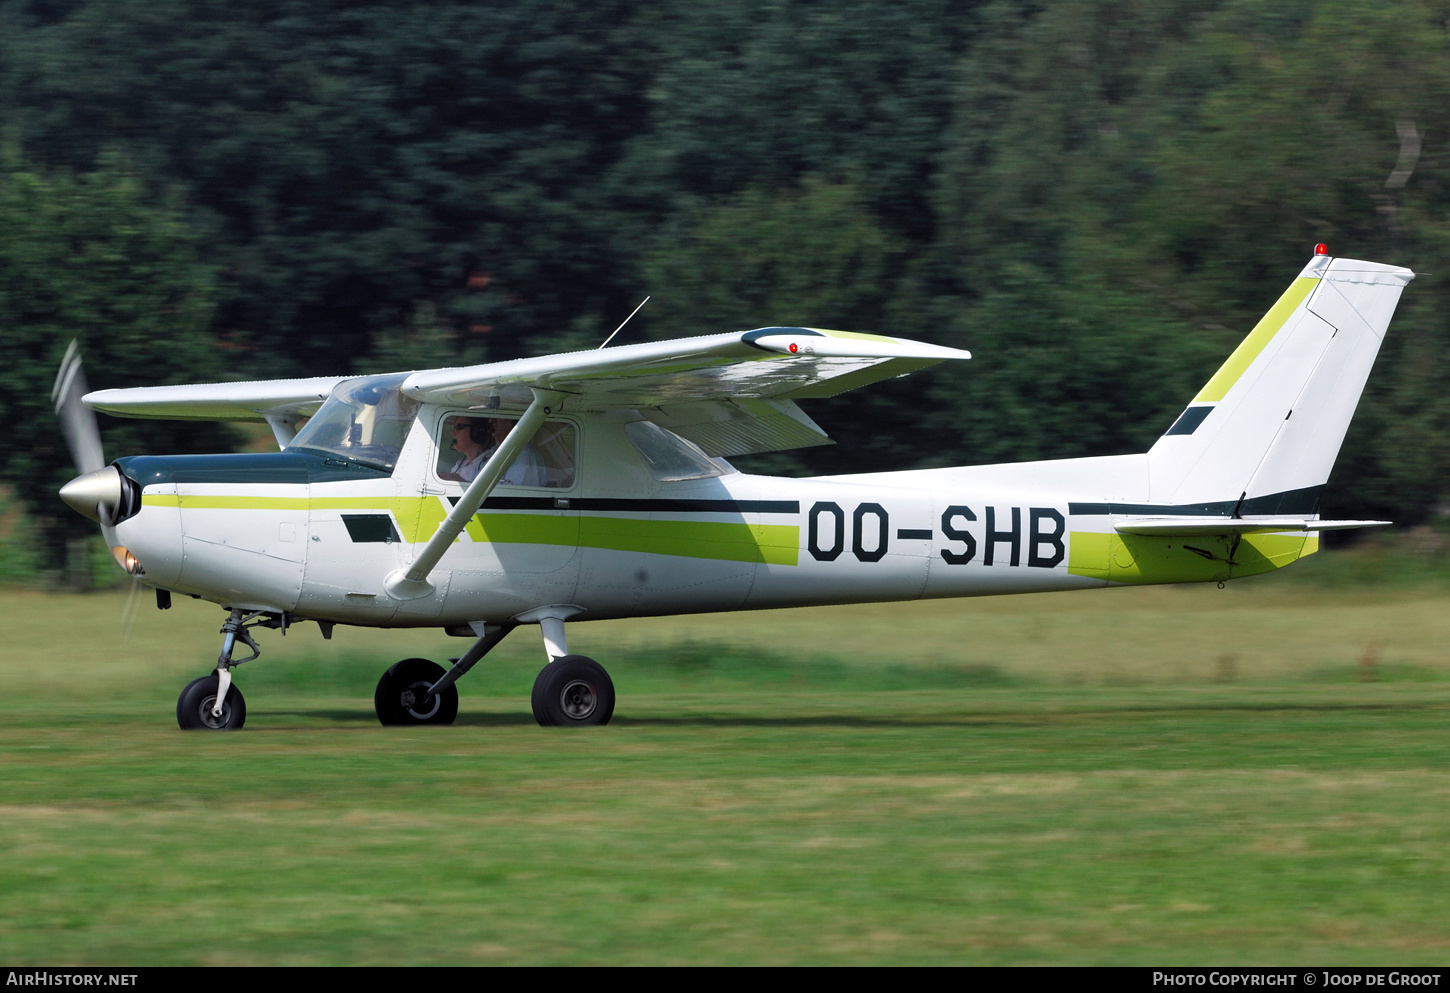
(87, 258)
(349, 163)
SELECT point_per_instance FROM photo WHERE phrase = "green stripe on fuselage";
(773, 544)
(419, 517)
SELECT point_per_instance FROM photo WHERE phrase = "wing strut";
(412, 583)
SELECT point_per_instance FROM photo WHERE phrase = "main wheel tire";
(401, 696)
(194, 706)
(573, 691)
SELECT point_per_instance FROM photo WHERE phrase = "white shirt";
(528, 468)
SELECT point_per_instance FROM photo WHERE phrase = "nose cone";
(87, 494)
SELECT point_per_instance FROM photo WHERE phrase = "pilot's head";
(472, 435)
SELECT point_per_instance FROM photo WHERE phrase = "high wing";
(783, 363)
(254, 401)
(732, 394)
(282, 403)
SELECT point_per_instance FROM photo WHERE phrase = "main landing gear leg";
(212, 703)
(572, 690)
(417, 691)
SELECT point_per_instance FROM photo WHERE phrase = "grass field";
(1254, 775)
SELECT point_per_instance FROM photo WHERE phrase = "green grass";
(1253, 775)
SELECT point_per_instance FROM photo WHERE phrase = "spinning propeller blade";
(76, 419)
(96, 492)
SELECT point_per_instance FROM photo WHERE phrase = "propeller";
(97, 491)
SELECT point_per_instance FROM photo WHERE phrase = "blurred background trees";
(1098, 199)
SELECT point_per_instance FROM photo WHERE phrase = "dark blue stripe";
(1303, 501)
(245, 468)
(643, 506)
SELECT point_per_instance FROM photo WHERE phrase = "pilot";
(474, 439)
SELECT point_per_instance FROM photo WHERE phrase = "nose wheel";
(573, 691)
(195, 708)
(402, 695)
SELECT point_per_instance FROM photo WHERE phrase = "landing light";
(1321, 249)
(127, 561)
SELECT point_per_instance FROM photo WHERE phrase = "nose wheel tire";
(573, 691)
(194, 706)
(402, 695)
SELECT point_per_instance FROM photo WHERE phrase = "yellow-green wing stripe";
(858, 335)
(1261, 335)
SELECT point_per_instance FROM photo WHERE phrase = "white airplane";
(593, 485)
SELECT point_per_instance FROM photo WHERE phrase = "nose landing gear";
(212, 703)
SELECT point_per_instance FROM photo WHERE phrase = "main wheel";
(402, 695)
(573, 691)
(194, 706)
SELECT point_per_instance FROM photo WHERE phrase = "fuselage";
(314, 537)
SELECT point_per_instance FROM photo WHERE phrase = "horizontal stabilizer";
(1187, 526)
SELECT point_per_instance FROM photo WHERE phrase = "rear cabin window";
(670, 457)
(469, 440)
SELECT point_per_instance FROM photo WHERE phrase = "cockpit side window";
(365, 420)
(468, 440)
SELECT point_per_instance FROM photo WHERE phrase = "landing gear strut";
(572, 690)
(212, 703)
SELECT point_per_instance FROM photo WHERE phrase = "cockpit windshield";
(365, 420)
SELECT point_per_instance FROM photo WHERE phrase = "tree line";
(1097, 198)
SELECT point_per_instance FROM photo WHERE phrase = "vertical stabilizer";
(1263, 433)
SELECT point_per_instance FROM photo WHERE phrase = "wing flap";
(741, 427)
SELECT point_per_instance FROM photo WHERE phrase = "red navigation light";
(794, 348)
(1321, 249)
